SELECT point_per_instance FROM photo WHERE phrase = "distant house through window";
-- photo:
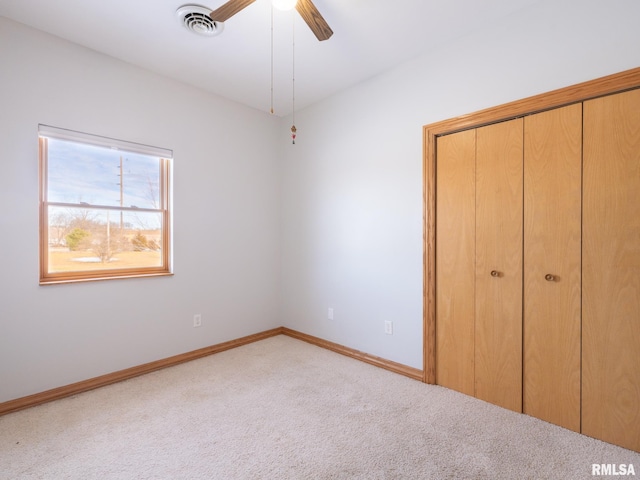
(104, 207)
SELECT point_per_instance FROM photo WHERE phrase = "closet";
(535, 283)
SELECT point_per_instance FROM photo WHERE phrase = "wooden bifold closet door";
(611, 270)
(552, 265)
(498, 338)
(479, 263)
(508, 249)
(455, 297)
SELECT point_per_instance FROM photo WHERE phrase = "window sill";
(97, 278)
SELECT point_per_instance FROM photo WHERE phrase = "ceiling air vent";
(196, 19)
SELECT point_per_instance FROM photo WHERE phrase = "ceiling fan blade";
(229, 9)
(312, 17)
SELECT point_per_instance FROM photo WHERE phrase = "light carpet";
(283, 409)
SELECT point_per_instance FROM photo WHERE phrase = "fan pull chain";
(271, 59)
(293, 82)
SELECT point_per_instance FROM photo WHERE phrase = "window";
(104, 208)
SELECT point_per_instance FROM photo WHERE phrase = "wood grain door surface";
(455, 247)
(552, 265)
(499, 209)
(611, 270)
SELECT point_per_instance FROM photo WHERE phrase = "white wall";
(226, 218)
(352, 185)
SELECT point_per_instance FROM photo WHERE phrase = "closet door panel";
(552, 265)
(611, 270)
(455, 264)
(498, 351)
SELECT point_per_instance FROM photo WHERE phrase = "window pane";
(86, 239)
(96, 175)
(103, 203)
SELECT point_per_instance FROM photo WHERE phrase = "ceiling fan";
(305, 8)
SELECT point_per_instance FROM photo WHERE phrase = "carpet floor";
(284, 409)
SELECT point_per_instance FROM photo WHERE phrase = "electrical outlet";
(388, 327)
(197, 320)
(330, 313)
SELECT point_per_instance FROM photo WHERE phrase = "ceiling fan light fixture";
(284, 4)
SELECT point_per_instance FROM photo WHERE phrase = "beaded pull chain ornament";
(293, 78)
(293, 83)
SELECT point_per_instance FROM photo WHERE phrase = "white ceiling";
(370, 36)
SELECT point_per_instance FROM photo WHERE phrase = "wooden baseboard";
(399, 368)
(108, 379)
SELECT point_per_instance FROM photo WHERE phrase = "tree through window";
(104, 207)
